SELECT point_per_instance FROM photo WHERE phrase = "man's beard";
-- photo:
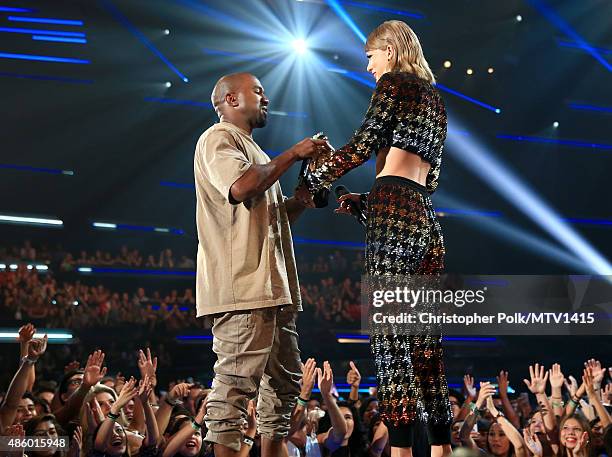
(261, 121)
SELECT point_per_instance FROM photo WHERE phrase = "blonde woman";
(405, 126)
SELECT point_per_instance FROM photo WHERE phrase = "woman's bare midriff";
(399, 162)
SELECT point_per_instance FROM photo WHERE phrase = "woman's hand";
(128, 392)
(468, 384)
(308, 378)
(537, 385)
(486, 391)
(346, 202)
(533, 443)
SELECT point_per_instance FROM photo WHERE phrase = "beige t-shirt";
(245, 251)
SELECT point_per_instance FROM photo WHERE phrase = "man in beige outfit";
(246, 273)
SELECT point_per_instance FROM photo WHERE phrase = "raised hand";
(179, 391)
(77, 442)
(308, 378)
(119, 382)
(606, 393)
(486, 391)
(145, 387)
(325, 379)
(537, 385)
(74, 365)
(571, 385)
(94, 371)
(251, 419)
(353, 377)
(129, 391)
(502, 382)
(533, 442)
(26, 333)
(37, 347)
(94, 413)
(555, 376)
(597, 371)
(147, 365)
(468, 383)
(589, 381)
(581, 441)
(199, 418)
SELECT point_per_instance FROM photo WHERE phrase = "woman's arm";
(502, 382)
(512, 433)
(144, 392)
(105, 432)
(594, 400)
(537, 386)
(373, 134)
(332, 439)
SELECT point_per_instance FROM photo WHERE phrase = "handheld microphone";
(354, 210)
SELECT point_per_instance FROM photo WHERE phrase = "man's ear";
(231, 99)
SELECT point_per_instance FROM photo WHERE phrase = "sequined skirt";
(404, 238)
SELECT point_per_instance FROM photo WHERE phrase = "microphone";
(356, 211)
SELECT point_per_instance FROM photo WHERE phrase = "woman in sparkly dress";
(405, 126)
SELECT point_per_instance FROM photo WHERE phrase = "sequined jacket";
(406, 112)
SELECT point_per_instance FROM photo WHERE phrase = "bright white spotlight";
(490, 70)
(300, 46)
(168, 84)
(447, 64)
(519, 18)
(166, 32)
(555, 124)
(469, 71)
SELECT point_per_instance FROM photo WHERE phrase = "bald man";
(246, 273)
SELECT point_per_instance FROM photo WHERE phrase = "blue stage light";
(44, 20)
(382, 9)
(469, 99)
(558, 21)
(6, 55)
(41, 32)
(11, 9)
(59, 39)
(586, 107)
(300, 46)
(346, 18)
(46, 78)
(114, 11)
(53, 171)
(508, 184)
(544, 140)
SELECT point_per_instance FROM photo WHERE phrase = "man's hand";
(304, 197)
(310, 148)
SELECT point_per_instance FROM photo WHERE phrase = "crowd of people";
(68, 261)
(104, 413)
(330, 289)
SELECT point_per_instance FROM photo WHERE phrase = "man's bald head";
(228, 84)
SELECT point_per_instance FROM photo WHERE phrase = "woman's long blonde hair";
(408, 55)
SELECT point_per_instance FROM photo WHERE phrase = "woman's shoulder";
(403, 83)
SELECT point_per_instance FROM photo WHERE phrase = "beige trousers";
(257, 356)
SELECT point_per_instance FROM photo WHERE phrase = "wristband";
(302, 402)
(499, 414)
(249, 441)
(195, 425)
(557, 404)
(28, 361)
(172, 403)
(112, 416)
